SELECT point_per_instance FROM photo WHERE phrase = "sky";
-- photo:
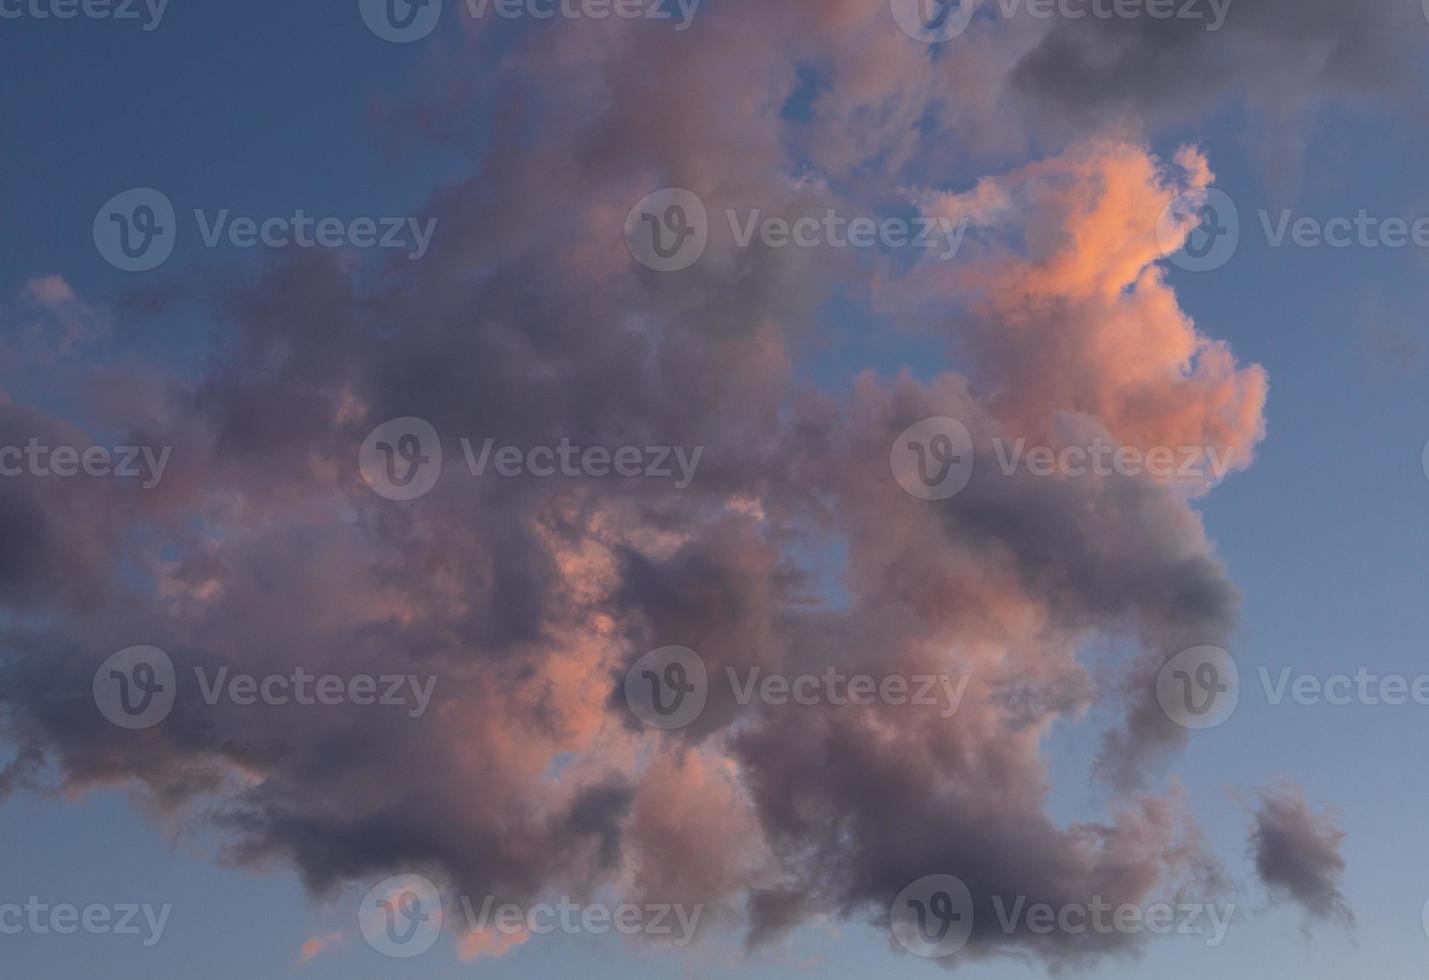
(563, 452)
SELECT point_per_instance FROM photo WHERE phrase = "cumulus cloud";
(528, 598)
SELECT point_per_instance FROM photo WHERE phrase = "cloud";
(317, 945)
(1298, 853)
(528, 599)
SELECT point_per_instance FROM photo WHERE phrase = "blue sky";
(266, 107)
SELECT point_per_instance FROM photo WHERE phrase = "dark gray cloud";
(1298, 853)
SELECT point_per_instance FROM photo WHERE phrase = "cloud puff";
(527, 598)
(1298, 853)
